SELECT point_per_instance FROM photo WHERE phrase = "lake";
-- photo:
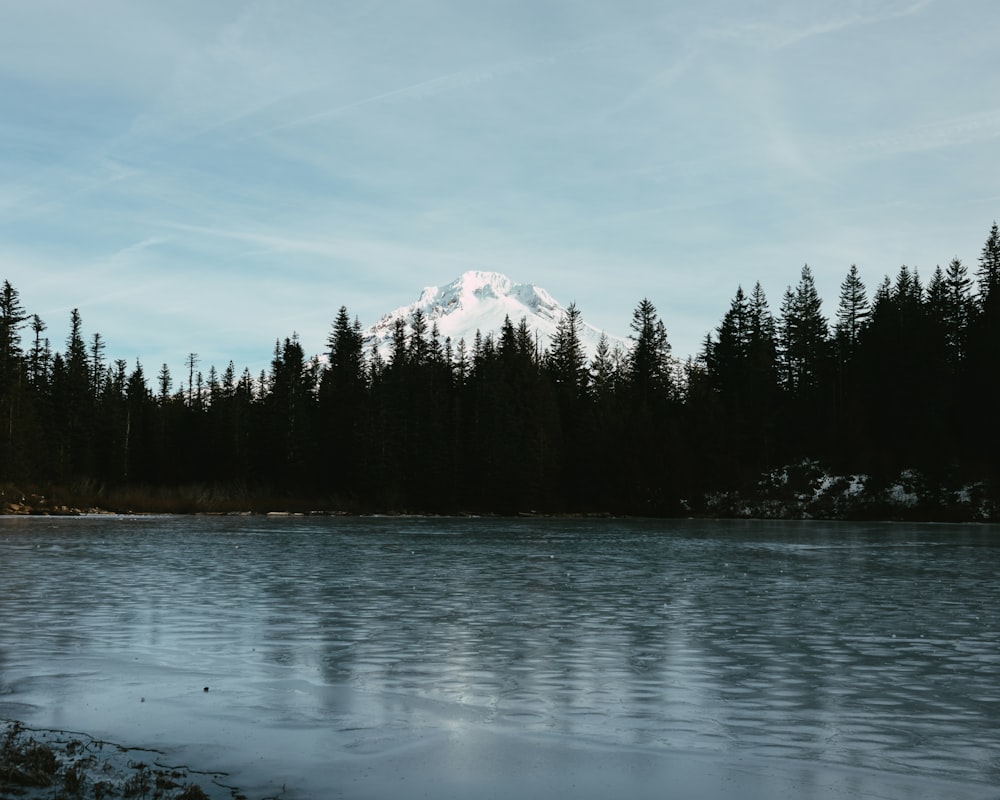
(404, 657)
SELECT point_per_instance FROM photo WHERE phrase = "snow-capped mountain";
(480, 301)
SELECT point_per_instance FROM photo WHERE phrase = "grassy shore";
(194, 499)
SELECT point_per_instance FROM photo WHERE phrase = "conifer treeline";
(908, 379)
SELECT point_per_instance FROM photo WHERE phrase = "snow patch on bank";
(805, 490)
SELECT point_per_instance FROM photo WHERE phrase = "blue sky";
(209, 177)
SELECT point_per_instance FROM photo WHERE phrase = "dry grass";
(89, 497)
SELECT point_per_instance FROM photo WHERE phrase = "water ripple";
(873, 647)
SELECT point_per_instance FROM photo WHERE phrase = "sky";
(211, 177)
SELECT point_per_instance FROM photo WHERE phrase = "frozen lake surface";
(453, 658)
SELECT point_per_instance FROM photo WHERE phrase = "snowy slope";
(480, 301)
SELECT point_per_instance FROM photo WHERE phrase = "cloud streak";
(265, 162)
(778, 34)
(949, 133)
(456, 81)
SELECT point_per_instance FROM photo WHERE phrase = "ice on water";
(356, 657)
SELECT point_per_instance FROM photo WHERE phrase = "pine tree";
(567, 361)
(728, 355)
(763, 350)
(650, 439)
(944, 381)
(958, 309)
(138, 438)
(399, 350)
(418, 350)
(649, 368)
(40, 356)
(739, 366)
(192, 362)
(346, 367)
(435, 349)
(461, 363)
(984, 355)
(527, 341)
(989, 270)
(803, 338)
(343, 401)
(289, 410)
(97, 348)
(603, 368)
(12, 319)
(852, 314)
(74, 401)
(897, 363)
(804, 361)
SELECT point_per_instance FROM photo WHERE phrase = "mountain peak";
(485, 284)
(480, 301)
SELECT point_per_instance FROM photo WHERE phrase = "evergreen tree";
(436, 350)
(192, 362)
(804, 361)
(567, 362)
(936, 296)
(527, 342)
(852, 314)
(989, 270)
(650, 439)
(740, 368)
(97, 348)
(729, 355)
(726, 358)
(376, 364)
(566, 367)
(346, 354)
(896, 357)
(984, 356)
(138, 440)
(957, 310)
(343, 401)
(289, 414)
(418, 350)
(165, 383)
(803, 338)
(649, 367)
(40, 356)
(399, 349)
(763, 363)
(948, 309)
(604, 373)
(73, 399)
(507, 347)
(461, 364)
(12, 319)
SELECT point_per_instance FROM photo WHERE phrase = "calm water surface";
(448, 657)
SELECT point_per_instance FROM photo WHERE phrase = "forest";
(904, 382)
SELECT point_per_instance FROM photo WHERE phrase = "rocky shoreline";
(804, 490)
(37, 764)
(36, 506)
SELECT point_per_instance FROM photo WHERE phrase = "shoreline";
(766, 515)
(804, 492)
(34, 762)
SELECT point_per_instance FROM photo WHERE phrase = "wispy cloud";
(955, 132)
(451, 82)
(776, 34)
(265, 161)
